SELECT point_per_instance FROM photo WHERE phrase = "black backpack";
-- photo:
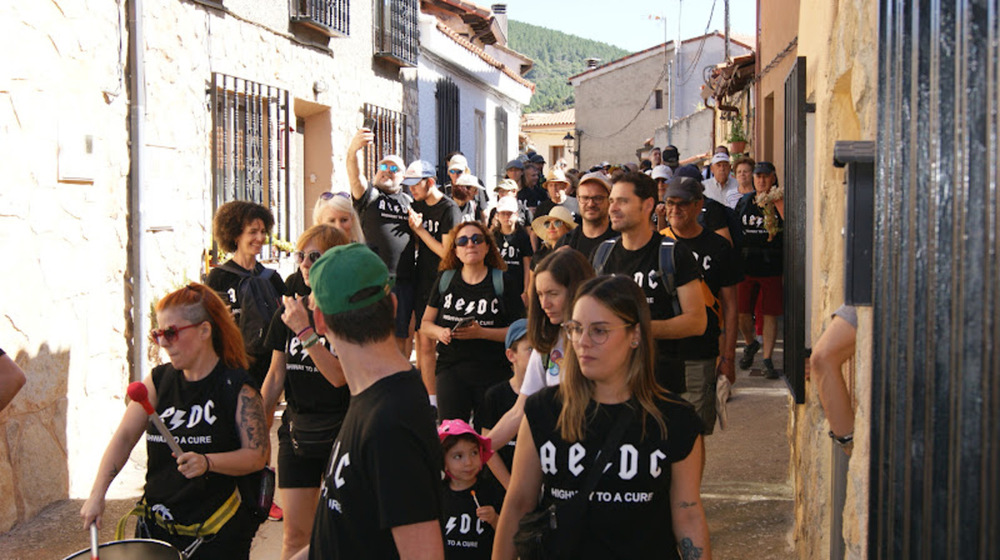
(258, 302)
(667, 267)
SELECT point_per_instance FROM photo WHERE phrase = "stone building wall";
(65, 317)
(839, 41)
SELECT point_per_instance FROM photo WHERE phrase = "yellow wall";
(778, 23)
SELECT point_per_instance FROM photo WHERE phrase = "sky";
(631, 24)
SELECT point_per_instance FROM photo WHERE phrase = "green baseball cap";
(344, 277)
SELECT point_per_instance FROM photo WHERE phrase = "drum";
(132, 549)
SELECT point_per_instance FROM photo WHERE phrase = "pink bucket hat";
(458, 427)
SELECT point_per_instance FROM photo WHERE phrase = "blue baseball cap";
(418, 171)
(515, 332)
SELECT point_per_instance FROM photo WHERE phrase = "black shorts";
(404, 308)
(295, 471)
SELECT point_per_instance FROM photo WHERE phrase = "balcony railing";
(332, 17)
(395, 31)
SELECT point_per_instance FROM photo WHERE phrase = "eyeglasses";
(393, 168)
(598, 332)
(595, 199)
(475, 239)
(329, 195)
(301, 256)
(549, 224)
(170, 333)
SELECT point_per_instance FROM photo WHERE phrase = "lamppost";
(570, 142)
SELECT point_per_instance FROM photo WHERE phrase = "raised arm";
(359, 184)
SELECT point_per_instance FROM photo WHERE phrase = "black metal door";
(935, 428)
(794, 181)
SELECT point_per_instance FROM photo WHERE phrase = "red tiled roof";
(656, 48)
(540, 120)
(471, 47)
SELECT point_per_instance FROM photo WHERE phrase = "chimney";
(500, 15)
(593, 63)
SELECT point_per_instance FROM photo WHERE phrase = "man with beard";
(384, 208)
(592, 195)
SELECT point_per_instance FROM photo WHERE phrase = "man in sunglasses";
(472, 199)
(383, 208)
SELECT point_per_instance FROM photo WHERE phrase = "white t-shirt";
(537, 376)
(724, 195)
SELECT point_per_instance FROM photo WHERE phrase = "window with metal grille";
(395, 31)
(448, 125)
(250, 146)
(389, 128)
(501, 141)
(332, 17)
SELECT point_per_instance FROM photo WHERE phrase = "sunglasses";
(329, 195)
(384, 166)
(553, 223)
(169, 334)
(301, 256)
(598, 332)
(475, 239)
(454, 171)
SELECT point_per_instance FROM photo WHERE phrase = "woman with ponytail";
(205, 398)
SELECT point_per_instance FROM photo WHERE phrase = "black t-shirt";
(385, 223)
(533, 196)
(513, 249)
(295, 285)
(717, 260)
(306, 390)
(760, 256)
(470, 211)
(629, 512)
(201, 415)
(570, 204)
(384, 472)
(498, 400)
(438, 220)
(466, 537)
(480, 302)
(643, 266)
(713, 216)
(586, 245)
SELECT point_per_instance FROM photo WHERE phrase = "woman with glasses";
(647, 502)
(470, 306)
(305, 368)
(556, 280)
(331, 208)
(550, 228)
(205, 398)
(242, 228)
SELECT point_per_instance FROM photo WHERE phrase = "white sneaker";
(723, 389)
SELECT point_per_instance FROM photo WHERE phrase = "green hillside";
(557, 56)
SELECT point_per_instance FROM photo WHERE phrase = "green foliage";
(736, 132)
(557, 56)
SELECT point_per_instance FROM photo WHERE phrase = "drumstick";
(138, 393)
(93, 542)
(474, 499)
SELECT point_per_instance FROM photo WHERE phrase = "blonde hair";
(342, 202)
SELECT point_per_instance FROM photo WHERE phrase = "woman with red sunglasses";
(469, 309)
(205, 397)
(305, 368)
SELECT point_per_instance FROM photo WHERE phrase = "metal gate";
(448, 125)
(794, 181)
(935, 430)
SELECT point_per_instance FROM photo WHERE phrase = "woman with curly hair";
(641, 497)
(241, 228)
(468, 312)
(206, 398)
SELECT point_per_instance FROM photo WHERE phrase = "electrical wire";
(687, 74)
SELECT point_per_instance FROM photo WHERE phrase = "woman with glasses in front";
(647, 504)
(333, 208)
(304, 366)
(470, 306)
(205, 398)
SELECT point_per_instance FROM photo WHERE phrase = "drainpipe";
(137, 144)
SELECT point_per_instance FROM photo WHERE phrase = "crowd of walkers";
(574, 337)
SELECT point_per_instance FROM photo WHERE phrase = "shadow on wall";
(33, 459)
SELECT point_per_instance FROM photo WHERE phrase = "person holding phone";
(472, 285)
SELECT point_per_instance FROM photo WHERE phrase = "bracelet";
(311, 341)
(300, 333)
(842, 441)
(208, 463)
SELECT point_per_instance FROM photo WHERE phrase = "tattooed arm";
(126, 436)
(254, 437)
(690, 526)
